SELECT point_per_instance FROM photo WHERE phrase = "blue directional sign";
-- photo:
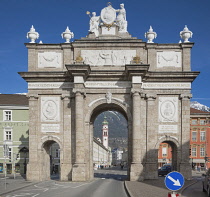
(174, 181)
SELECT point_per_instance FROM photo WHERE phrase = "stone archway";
(45, 157)
(98, 107)
(175, 146)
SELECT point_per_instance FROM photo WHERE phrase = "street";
(196, 190)
(107, 182)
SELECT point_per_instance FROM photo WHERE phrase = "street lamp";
(25, 151)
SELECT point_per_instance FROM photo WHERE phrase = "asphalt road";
(195, 190)
(106, 183)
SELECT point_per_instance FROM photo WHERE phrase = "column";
(66, 153)
(185, 166)
(34, 166)
(79, 168)
(151, 138)
(136, 171)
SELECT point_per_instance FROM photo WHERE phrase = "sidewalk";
(12, 184)
(155, 188)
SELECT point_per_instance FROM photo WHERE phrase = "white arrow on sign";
(176, 182)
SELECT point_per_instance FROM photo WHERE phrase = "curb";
(13, 190)
(127, 190)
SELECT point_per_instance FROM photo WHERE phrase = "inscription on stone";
(53, 128)
(107, 84)
(50, 85)
(166, 85)
(107, 57)
(168, 59)
(167, 129)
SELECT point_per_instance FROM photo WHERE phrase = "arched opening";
(51, 160)
(110, 145)
(167, 157)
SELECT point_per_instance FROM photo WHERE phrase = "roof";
(13, 99)
(196, 111)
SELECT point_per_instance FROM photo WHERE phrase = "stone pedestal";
(136, 172)
(151, 170)
(79, 172)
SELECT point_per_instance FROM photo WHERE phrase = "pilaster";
(79, 168)
(151, 164)
(66, 165)
(33, 170)
(185, 166)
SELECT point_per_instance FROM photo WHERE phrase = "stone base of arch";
(33, 172)
(151, 170)
(79, 172)
(66, 174)
(186, 170)
(136, 172)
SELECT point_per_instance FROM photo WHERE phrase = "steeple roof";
(105, 122)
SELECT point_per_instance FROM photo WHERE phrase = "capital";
(185, 96)
(32, 96)
(151, 96)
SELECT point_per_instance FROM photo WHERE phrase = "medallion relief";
(168, 109)
(50, 109)
(168, 59)
(49, 60)
(108, 57)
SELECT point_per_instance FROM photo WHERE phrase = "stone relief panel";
(50, 109)
(168, 109)
(169, 59)
(107, 57)
(49, 60)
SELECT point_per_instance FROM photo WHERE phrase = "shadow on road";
(111, 173)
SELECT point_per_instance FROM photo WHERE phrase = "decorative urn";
(186, 34)
(32, 34)
(150, 35)
(67, 35)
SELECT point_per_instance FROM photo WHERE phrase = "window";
(202, 122)
(194, 121)
(202, 135)
(194, 135)
(164, 151)
(202, 152)
(194, 150)
(7, 134)
(7, 115)
(57, 153)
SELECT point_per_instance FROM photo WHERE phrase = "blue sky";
(50, 18)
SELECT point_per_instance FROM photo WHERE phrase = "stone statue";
(121, 19)
(94, 24)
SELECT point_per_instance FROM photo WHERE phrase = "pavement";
(156, 188)
(12, 184)
(146, 188)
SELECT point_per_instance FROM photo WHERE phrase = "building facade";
(199, 150)
(102, 156)
(199, 138)
(69, 84)
(14, 132)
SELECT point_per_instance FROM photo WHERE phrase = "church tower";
(105, 132)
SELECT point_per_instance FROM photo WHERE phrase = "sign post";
(174, 181)
(6, 153)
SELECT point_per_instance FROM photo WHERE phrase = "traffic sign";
(174, 181)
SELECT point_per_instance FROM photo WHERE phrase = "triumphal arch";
(70, 83)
